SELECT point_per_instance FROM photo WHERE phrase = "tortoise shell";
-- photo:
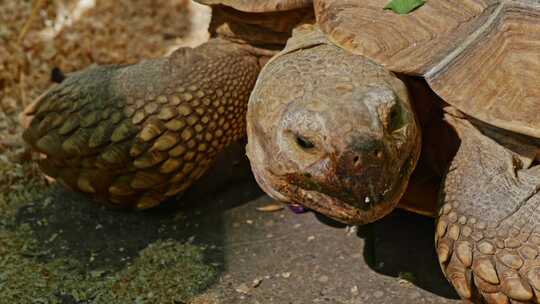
(481, 56)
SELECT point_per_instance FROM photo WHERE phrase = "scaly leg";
(488, 232)
(135, 135)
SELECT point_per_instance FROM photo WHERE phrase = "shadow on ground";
(68, 226)
(402, 246)
(260, 257)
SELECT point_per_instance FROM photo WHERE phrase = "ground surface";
(58, 247)
(257, 257)
(299, 259)
(231, 252)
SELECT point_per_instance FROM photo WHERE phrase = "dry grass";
(62, 35)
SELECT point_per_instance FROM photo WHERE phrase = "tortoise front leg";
(488, 231)
(136, 135)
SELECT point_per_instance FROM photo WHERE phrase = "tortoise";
(334, 122)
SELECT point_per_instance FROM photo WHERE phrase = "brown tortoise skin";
(136, 135)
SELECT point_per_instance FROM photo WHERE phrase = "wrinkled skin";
(332, 131)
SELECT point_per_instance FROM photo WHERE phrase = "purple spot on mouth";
(297, 208)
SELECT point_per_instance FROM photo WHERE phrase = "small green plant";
(403, 7)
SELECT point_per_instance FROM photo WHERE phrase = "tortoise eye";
(396, 118)
(304, 143)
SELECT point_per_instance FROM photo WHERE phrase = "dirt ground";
(252, 256)
(212, 246)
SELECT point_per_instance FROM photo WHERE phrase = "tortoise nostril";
(356, 160)
(378, 153)
(304, 143)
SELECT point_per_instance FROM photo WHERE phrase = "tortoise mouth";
(334, 205)
(340, 210)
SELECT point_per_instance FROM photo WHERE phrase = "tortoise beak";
(355, 188)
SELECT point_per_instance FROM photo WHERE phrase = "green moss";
(166, 271)
(19, 184)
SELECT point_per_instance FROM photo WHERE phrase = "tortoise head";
(332, 131)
